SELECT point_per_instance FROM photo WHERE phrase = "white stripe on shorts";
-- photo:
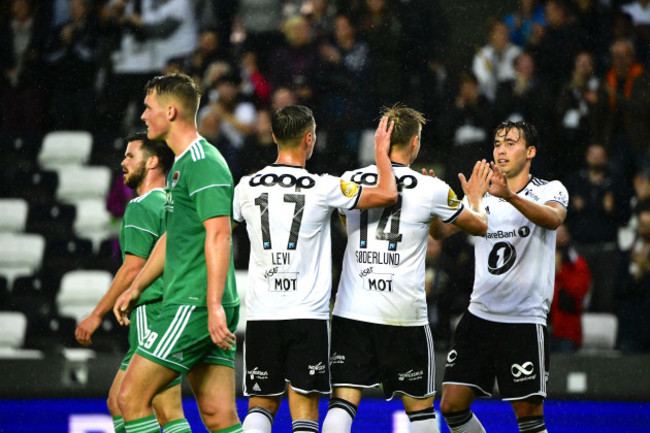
(542, 364)
(174, 331)
(431, 386)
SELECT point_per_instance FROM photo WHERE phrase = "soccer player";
(380, 326)
(193, 333)
(503, 334)
(287, 211)
(145, 165)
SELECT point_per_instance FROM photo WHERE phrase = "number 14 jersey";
(287, 211)
(384, 265)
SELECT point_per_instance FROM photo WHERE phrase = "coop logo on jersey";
(285, 180)
(175, 177)
(258, 374)
(410, 376)
(316, 369)
(452, 200)
(349, 189)
(523, 372)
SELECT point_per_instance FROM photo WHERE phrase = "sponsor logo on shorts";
(523, 372)
(337, 359)
(451, 357)
(256, 387)
(256, 373)
(410, 376)
(316, 369)
(178, 355)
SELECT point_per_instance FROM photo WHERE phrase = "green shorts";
(139, 331)
(179, 338)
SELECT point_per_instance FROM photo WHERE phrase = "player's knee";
(450, 406)
(217, 415)
(166, 412)
(111, 404)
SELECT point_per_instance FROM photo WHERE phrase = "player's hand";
(382, 136)
(86, 328)
(124, 305)
(429, 173)
(478, 183)
(499, 184)
(218, 328)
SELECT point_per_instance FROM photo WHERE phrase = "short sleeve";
(557, 192)
(444, 202)
(340, 193)
(141, 230)
(210, 187)
(236, 204)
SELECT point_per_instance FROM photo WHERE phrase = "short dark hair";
(290, 123)
(156, 148)
(527, 129)
(642, 206)
(180, 86)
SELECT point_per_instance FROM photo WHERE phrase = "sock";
(258, 420)
(177, 426)
(532, 424)
(304, 426)
(423, 421)
(340, 415)
(463, 421)
(232, 429)
(118, 424)
(148, 424)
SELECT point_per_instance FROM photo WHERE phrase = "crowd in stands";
(576, 69)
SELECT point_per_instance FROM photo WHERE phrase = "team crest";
(452, 200)
(175, 177)
(349, 189)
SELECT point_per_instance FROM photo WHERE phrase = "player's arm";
(473, 218)
(385, 193)
(123, 278)
(217, 257)
(548, 215)
(151, 271)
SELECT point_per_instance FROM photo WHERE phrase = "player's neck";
(518, 182)
(400, 158)
(151, 181)
(179, 138)
(287, 157)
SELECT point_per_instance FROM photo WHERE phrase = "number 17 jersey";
(287, 211)
(383, 273)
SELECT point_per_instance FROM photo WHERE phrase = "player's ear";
(172, 112)
(531, 151)
(152, 162)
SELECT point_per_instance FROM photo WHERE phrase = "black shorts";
(281, 351)
(400, 358)
(515, 354)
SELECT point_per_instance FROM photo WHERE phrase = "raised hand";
(478, 183)
(499, 183)
(382, 136)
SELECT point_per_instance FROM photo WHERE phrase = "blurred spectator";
(296, 63)
(259, 148)
(256, 86)
(382, 31)
(260, 21)
(208, 51)
(281, 97)
(218, 16)
(346, 107)
(22, 40)
(72, 57)
(576, 115)
(525, 22)
(320, 14)
(494, 63)
(597, 208)
(594, 20)
(572, 281)
(209, 126)
(626, 107)
(558, 44)
(436, 285)
(173, 28)
(470, 122)
(634, 299)
(639, 12)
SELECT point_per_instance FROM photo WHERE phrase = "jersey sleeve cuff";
(455, 215)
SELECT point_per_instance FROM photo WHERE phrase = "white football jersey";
(384, 264)
(287, 211)
(515, 260)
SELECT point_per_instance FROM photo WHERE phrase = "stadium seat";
(34, 296)
(599, 331)
(81, 183)
(12, 337)
(65, 148)
(366, 154)
(50, 334)
(34, 186)
(51, 220)
(63, 255)
(93, 222)
(20, 254)
(13, 215)
(80, 291)
(4, 294)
